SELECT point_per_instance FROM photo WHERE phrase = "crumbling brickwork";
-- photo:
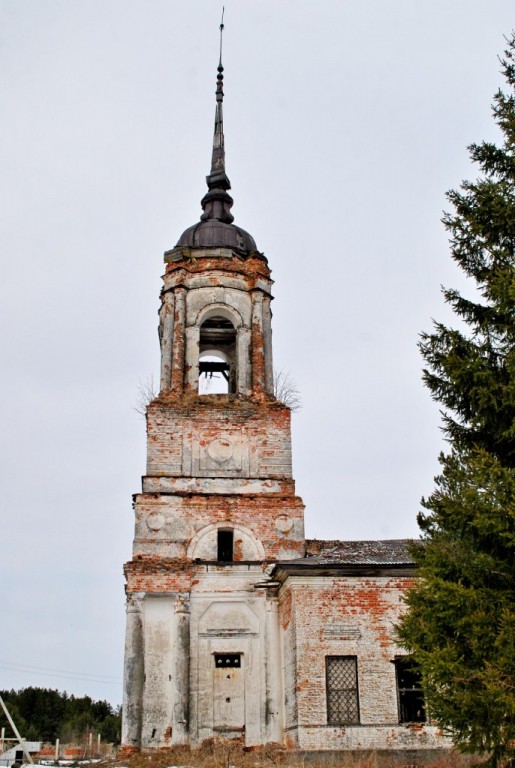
(218, 437)
(221, 573)
(236, 626)
(218, 470)
(353, 616)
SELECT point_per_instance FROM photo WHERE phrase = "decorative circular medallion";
(220, 450)
(283, 523)
(155, 521)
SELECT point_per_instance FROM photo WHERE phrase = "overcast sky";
(345, 124)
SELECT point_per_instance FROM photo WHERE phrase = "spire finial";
(221, 35)
(217, 202)
(220, 75)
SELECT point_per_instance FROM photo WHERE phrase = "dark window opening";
(227, 659)
(341, 674)
(409, 692)
(225, 546)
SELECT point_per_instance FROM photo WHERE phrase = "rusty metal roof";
(382, 552)
(217, 234)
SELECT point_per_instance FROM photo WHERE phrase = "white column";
(244, 383)
(166, 317)
(133, 676)
(181, 678)
(258, 359)
(267, 345)
(178, 356)
(192, 358)
(274, 696)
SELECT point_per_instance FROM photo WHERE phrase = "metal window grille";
(342, 690)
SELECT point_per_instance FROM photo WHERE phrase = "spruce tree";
(460, 622)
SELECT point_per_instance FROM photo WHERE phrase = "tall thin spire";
(217, 202)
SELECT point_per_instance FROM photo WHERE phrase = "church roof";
(381, 552)
(214, 233)
(350, 558)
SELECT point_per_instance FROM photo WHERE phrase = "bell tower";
(218, 507)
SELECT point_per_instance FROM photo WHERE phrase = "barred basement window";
(409, 691)
(227, 659)
(341, 675)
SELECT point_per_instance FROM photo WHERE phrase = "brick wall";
(346, 616)
(165, 525)
(218, 436)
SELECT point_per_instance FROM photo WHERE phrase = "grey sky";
(345, 125)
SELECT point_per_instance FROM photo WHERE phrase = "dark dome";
(216, 234)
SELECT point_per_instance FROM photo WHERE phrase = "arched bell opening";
(217, 356)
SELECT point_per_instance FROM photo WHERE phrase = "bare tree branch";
(286, 390)
(145, 394)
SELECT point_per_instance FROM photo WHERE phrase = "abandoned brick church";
(238, 626)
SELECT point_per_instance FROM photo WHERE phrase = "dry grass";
(224, 754)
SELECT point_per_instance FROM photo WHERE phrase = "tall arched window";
(217, 356)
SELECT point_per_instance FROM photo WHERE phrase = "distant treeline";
(43, 714)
